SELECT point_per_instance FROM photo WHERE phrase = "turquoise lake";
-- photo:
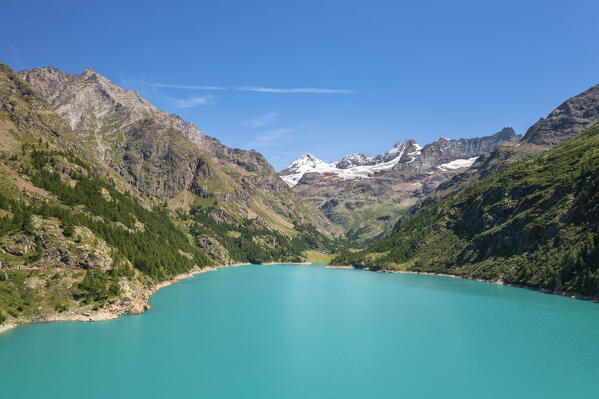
(304, 331)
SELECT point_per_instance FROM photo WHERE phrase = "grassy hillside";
(534, 222)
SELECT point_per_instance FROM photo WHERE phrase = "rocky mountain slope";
(80, 240)
(151, 149)
(360, 189)
(164, 156)
(568, 120)
(76, 240)
(571, 118)
(534, 223)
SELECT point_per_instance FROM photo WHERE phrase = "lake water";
(298, 331)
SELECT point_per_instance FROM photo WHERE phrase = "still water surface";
(304, 331)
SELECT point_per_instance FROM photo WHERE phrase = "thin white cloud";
(189, 87)
(313, 90)
(257, 89)
(269, 138)
(261, 120)
(192, 101)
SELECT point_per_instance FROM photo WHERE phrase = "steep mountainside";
(571, 118)
(164, 156)
(78, 242)
(151, 149)
(567, 121)
(365, 195)
(534, 223)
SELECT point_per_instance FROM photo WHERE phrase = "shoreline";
(283, 263)
(121, 306)
(573, 295)
(125, 306)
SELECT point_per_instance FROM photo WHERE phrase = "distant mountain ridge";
(360, 189)
(443, 153)
(525, 213)
(571, 118)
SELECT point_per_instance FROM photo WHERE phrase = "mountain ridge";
(359, 189)
(364, 166)
(165, 156)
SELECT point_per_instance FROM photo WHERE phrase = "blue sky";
(326, 77)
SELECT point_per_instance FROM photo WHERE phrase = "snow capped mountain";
(304, 164)
(352, 166)
(355, 159)
(405, 158)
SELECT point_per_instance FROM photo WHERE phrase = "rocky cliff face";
(568, 120)
(93, 105)
(162, 154)
(364, 195)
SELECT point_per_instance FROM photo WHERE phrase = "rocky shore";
(134, 301)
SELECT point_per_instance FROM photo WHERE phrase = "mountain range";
(359, 188)
(104, 198)
(443, 154)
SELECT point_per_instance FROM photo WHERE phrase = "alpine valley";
(104, 199)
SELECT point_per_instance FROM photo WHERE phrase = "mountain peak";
(76, 96)
(306, 159)
(89, 71)
(507, 134)
(571, 118)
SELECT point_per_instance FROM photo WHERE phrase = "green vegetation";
(75, 235)
(535, 223)
(147, 239)
(98, 286)
(250, 241)
(156, 250)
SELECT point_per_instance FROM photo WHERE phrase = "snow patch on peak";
(397, 147)
(304, 164)
(354, 159)
(458, 164)
(352, 166)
